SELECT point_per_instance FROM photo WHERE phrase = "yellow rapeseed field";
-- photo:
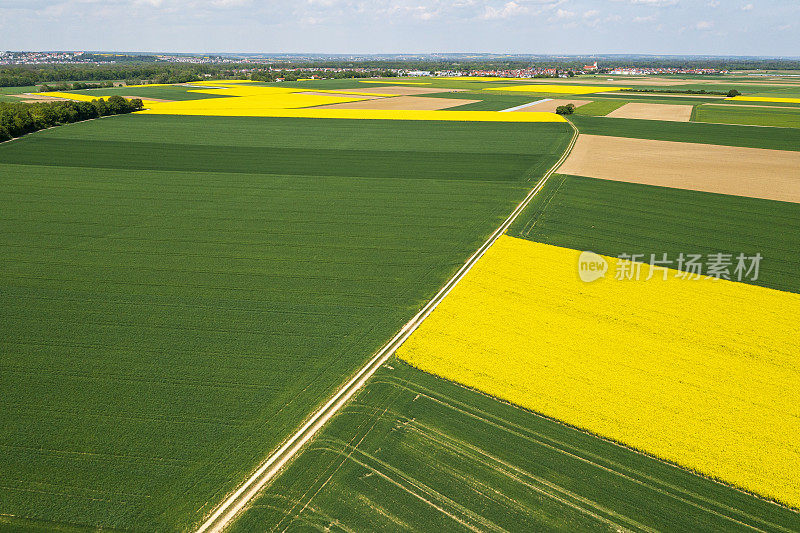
(702, 373)
(765, 99)
(260, 101)
(559, 89)
(241, 100)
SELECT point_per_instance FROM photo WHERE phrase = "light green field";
(6, 92)
(599, 108)
(695, 132)
(179, 293)
(170, 92)
(752, 116)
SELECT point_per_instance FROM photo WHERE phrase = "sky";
(701, 27)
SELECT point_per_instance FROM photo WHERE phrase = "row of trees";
(19, 118)
(294, 76)
(24, 76)
(730, 94)
(77, 86)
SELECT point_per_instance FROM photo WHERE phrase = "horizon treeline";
(136, 71)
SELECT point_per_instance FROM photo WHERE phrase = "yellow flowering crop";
(565, 89)
(702, 373)
(765, 99)
(259, 101)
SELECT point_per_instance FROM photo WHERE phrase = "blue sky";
(720, 27)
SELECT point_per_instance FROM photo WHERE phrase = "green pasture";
(168, 92)
(599, 108)
(752, 116)
(179, 293)
(695, 132)
(6, 92)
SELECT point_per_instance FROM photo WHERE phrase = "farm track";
(224, 514)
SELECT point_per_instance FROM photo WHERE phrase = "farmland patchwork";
(661, 366)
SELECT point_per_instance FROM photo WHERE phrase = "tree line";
(77, 86)
(24, 76)
(19, 118)
(266, 75)
(730, 94)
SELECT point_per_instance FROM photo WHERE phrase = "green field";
(654, 98)
(693, 132)
(753, 116)
(6, 92)
(599, 108)
(178, 293)
(613, 218)
(170, 92)
(488, 101)
(415, 452)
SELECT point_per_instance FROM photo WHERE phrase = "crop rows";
(168, 323)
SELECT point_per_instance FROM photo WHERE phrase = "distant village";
(268, 64)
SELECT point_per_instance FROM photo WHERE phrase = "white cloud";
(641, 20)
(704, 25)
(657, 3)
(564, 14)
(592, 13)
(747, 7)
(509, 9)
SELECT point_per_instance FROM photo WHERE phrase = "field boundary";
(236, 501)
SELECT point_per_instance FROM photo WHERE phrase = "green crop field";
(753, 116)
(169, 92)
(655, 98)
(7, 92)
(599, 107)
(693, 132)
(415, 452)
(488, 101)
(178, 293)
(613, 218)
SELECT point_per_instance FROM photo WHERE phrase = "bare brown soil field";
(671, 112)
(30, 98)
(402, 102)
(407, 90)
(753, 172)
(551, 105)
